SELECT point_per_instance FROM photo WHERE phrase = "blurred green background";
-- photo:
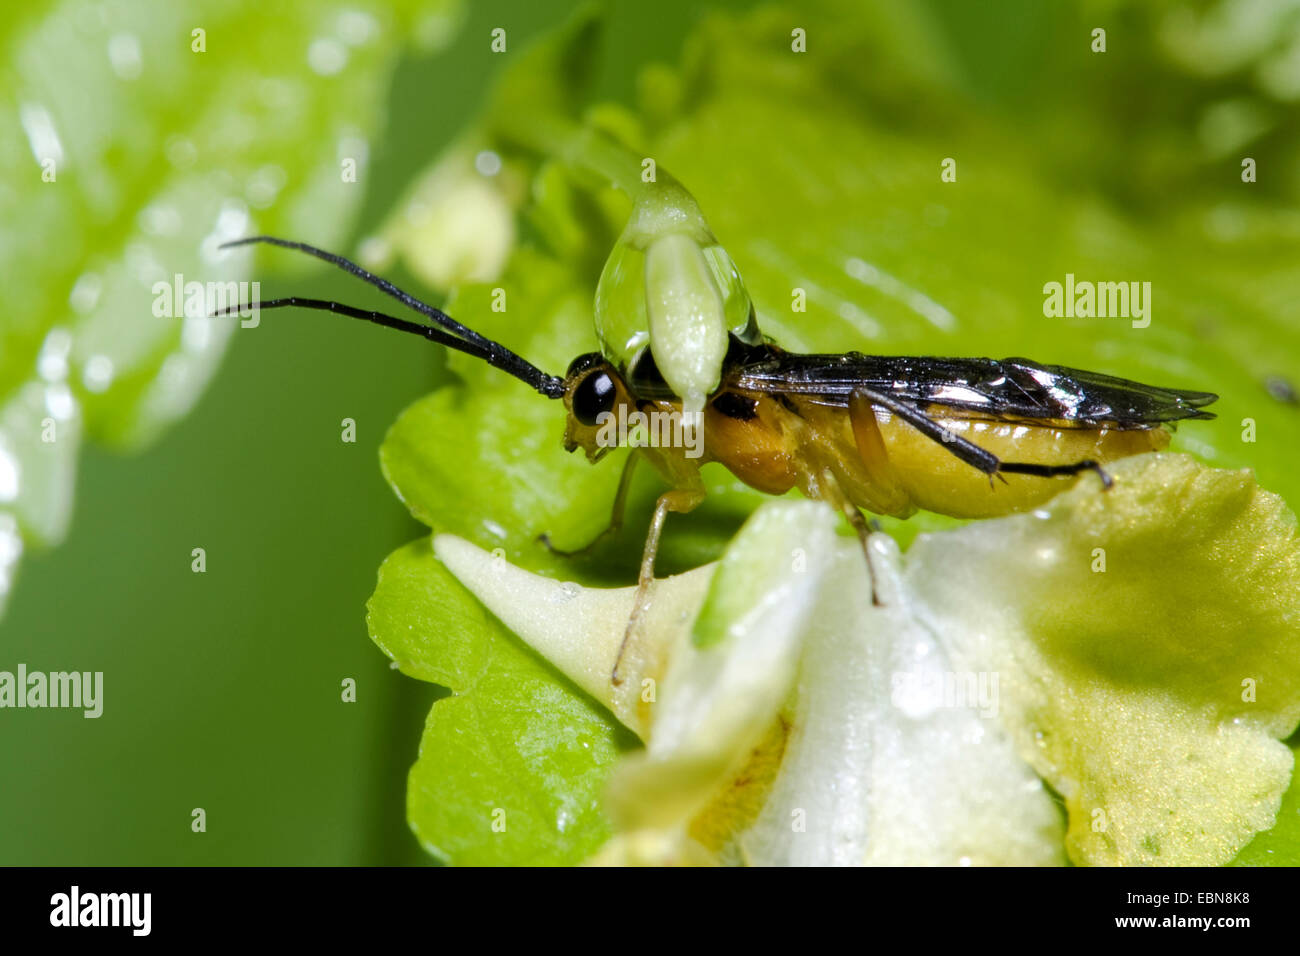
(222, 690)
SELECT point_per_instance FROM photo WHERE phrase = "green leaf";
(483, 459)
(138, 137)
(1148, 649)
(1279, 846)
(512, 764)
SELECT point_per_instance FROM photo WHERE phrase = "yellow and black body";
(971, 438)
(889, 434)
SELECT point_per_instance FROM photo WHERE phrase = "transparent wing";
(1013, 388)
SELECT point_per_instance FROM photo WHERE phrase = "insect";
(966, 437)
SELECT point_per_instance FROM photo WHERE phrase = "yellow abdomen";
(936, 480)
(893, 469)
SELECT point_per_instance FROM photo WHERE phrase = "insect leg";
(964, 449)
(680, 500)
(1052, 471)
(972, 453)
(830, 491)
(864, 531)
(615, 518)
(881, 492)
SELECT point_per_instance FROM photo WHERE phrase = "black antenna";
(456, 336)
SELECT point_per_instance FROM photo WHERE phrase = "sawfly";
(966, 437)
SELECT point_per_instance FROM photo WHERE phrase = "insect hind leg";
(973, 454)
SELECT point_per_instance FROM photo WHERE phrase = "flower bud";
(670, 286)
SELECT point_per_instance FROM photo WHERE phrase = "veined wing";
(1012, 389)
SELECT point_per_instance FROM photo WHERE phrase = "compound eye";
(592, 396)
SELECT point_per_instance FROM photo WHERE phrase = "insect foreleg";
(615, 517)
(680, 500)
